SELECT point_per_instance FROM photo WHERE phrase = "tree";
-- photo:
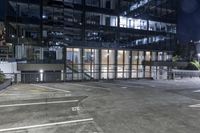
(195, 64)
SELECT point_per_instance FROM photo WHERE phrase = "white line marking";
(123, 85)
(39, 94)
(195, 106)
(51, 88)
(39, 103)
(46, 125)
(197, 91)
(140, 83)
(36, 93)
(3, 91)
(89, 86)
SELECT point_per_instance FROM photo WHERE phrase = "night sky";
(2, 9)
(189, 21)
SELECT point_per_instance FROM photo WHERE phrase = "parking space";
(118, 106)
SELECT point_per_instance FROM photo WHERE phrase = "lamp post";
(198, 56)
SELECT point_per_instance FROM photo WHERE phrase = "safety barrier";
(5, 84)
(177, 73)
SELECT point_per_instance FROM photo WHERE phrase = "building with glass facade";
(91, 39)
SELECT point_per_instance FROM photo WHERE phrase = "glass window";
(73, 64)
(123, 22)
(91, 63)
(141, 57)
(148, 56)
(104, 63)
(134, 64)
(108, 61)
(93, 3)
(126, 64)
(111, 67)
(160, 56)
(134, 57)
(154, 56)
(140, 66)
(120, 63)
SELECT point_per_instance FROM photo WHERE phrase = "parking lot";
(118, 106)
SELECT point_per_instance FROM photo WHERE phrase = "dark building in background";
(93, 39)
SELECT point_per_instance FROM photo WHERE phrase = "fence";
(75, 75)
(5, 84)
(37, 77)
(184, 73)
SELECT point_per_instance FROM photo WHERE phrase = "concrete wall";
(166, 63)
(8, 67)
(5, 84)
(37, 67)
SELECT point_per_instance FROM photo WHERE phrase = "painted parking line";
(140, 83)
(42, 93)
(123, 85)
(37, 94)
(38, 103)
(50, 88)
(197, 91)
(46, 125)
(82, 85)
(3, 91)
(195, 106)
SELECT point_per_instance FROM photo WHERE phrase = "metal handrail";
(184, 73)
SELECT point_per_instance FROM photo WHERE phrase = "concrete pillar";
(41, 53)
(126, 63)
(96, 67)
(102, 19)
(111, 61)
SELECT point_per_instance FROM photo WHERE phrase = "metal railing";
(75, 75)
(37, 77)
(177, 73)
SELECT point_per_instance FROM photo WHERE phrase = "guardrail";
(176, 73)
(37, 77)
(5, 84)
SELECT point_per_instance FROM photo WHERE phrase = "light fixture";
(41, 71)
(41, 75)
(44, 16)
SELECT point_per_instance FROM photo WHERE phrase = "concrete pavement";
(122, 106)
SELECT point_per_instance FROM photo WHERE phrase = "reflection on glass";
(91, 63)
(126, 64)
(107, 68)
(134, 64)
(73, 64)
(120, 62)
(104, 63)
(85, 65)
